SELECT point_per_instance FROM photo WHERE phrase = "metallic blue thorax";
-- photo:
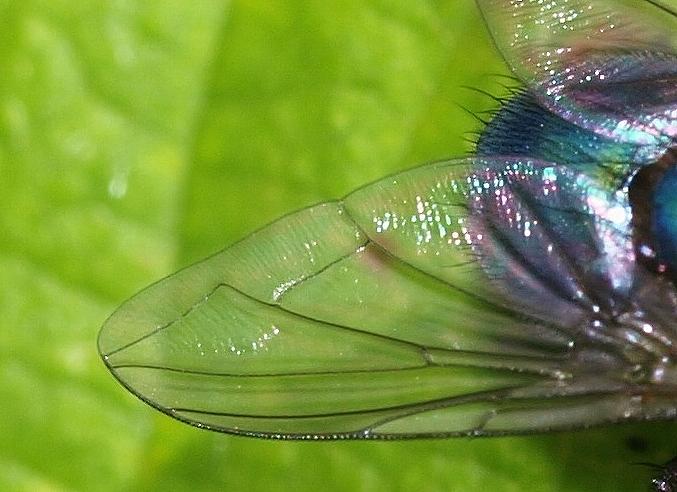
(523, 127)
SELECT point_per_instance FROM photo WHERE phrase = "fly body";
(529, 288)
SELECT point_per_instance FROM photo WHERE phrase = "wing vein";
(270, 305)
(419, 406)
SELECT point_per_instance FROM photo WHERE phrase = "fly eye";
(665, 218)
(653, 196)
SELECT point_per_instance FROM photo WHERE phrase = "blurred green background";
(137, 137)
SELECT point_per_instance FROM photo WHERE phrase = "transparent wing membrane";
(452, 299)
(481, 296)
(609, 66)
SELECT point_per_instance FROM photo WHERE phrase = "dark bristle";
(498, 99)
(474, 114)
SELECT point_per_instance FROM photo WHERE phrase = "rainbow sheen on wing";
(609, 66)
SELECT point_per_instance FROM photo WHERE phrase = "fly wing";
(417, 306)
(609, 66)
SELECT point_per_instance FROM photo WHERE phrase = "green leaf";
(137, 137)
